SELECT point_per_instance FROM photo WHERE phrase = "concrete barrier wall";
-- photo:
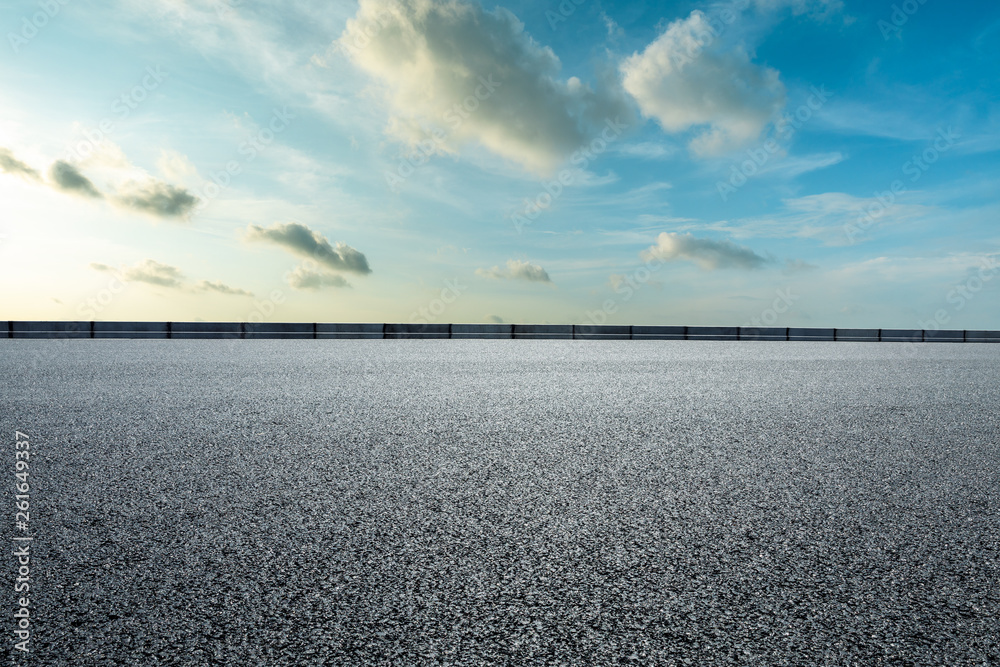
(659, 333)
(602, 332)
(350, 331)
(548, 331)
(857, 335)
(713, 333)
(944, 336)
(482, 331)
(902, 335)
(301, 330)
(799, 334)
(130, 329)
(763, 333)
(49, 329)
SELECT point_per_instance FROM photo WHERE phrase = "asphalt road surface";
(505, 502)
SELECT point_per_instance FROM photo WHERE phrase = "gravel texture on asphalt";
(507, 502)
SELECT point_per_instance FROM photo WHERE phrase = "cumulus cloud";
(11, 165)
(689, 78)
(221, 288)
(67, 177)
(160, 199)
(707, 253)
(304, 278)
(517, 270)
(147, 271)
(476, 76)
(304, 242)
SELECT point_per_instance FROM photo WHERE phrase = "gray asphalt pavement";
(506, 502)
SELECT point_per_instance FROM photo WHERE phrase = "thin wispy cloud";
(709, 254)
(147, 271)
(158, 274)
(220, 288)
(517, 269)
(11, 165)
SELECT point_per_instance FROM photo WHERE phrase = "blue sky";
(771, 162)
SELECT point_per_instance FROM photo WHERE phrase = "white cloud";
(220, 288)
(477, 78)
(691, 78)
(517, 270)
(305, 278)
(148, 271)
(707, 253)
(304, 242)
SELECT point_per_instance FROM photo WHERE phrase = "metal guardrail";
(317, 330)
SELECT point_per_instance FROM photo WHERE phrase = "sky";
(741, 163)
